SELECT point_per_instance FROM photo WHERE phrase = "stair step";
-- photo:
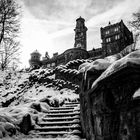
(60, 123)
(72, 103)
(58, 133)
(63, 111)
(57, 128)
(61, 108)
(61, 119)
(62, 114)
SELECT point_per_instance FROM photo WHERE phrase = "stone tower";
(115, 37)
(35, 59)
(80, 34)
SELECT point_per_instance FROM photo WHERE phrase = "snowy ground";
(31, 94)
(20, 96)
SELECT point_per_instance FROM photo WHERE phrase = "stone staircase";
(61, 121)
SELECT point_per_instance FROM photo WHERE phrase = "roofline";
(75, 49)
(108, 26)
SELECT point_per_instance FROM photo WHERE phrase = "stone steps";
(58, 123)
(57, 128)
(61, 108)
(61, 121)
(60, 133)
(62, 111)
(62, 114)
(62, 118)
(71, 103)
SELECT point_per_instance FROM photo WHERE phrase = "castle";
(115, 37)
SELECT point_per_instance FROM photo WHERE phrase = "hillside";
(33, 93)
(27, 95)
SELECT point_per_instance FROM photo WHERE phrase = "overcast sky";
(47, 25)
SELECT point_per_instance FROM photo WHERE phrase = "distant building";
(115, 37)
(35, 59)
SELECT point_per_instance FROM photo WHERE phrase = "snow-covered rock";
(27, 96)
(131, 59)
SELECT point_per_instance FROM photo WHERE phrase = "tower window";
(117, 37)
(108, 40)
(116, 29)
(107, 32)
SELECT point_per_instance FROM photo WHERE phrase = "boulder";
(2, 130)
(26, 124)
(10, 128)
(1, 135)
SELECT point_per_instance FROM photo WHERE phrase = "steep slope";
(26, 97)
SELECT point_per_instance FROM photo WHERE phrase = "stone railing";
(67, 74)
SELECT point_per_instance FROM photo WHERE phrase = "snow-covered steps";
(71, 103)
(61, 118)
(60, 121)
(63, 114)
(56, 128)
(76, 121)
(61, 108)
(63, 111)
(60, 133)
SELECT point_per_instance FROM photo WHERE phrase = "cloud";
(65, 10)
(60, 13)
(122, 10)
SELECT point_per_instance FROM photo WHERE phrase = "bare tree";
(9, 53)
(135, 23)
(9, 29)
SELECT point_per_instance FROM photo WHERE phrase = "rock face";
(26, 124)
(109, 110)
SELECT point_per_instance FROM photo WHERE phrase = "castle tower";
(35, 59)
(80, 34)
(115, 37)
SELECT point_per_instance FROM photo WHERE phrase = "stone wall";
(109, 110)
